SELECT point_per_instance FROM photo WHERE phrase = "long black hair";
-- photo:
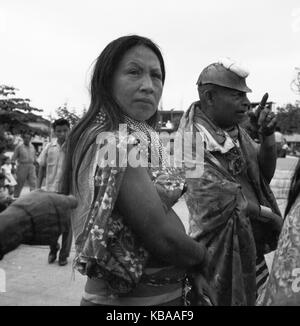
(294, 189)
(102, 99)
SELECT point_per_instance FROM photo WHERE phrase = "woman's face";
(137, 83)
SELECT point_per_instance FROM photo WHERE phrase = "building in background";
(168, 120)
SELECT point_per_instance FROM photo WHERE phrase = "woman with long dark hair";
(129, 241)
(283, 287)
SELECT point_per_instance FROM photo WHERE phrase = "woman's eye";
(134, 72)
(157, 75)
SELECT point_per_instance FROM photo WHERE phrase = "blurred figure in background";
(25, 157)
(279, 140)
(6, 169)
(4, 195)
(50, 168)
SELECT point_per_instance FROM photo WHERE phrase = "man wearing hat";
(232, 209)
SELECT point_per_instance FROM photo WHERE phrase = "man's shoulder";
(19, 146)
(49, 145)
(245, 139)
(31, 146)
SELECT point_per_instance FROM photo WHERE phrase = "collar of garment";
(54, 142)
(149, 139)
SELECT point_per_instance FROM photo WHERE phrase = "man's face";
(61, 132)
(230, 107)
(26, 139)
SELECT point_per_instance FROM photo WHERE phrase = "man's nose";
(246, 102)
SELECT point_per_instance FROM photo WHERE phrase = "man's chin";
(242, 119)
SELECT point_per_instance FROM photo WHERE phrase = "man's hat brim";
(217, 74)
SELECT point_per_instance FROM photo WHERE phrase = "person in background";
(25, 157)
(50, 168)
(6, 169)
(129, 241)
(5, 198)
(279, 140)
(285, 149)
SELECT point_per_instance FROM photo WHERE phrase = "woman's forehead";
(140, 54)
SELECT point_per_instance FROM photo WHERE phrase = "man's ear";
(209, 97)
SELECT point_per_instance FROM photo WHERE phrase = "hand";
(263, 120)
(51, 215)
(266, 118)
(38, 217)
(253, 208)
(201, 293)
(274, 220)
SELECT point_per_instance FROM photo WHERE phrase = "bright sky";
(48, 46)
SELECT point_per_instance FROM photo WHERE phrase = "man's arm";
(42, 161)
(15, 155)
(267, 157)
(265, 122)
(41, 176)
(35, 159)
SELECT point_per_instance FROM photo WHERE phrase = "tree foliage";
(288, 119)
(9, 102)
(295, 85)
(65, 113)
(16, 113)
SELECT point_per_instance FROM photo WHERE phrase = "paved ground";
(288, 163)
(31, 281)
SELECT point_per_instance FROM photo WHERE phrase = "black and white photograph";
(149, 155)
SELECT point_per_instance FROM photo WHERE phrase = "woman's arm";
(162, 234)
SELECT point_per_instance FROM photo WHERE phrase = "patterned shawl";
(101, 236)
(283, 285)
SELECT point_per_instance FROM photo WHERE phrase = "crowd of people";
(117, 191)
(39, 171)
